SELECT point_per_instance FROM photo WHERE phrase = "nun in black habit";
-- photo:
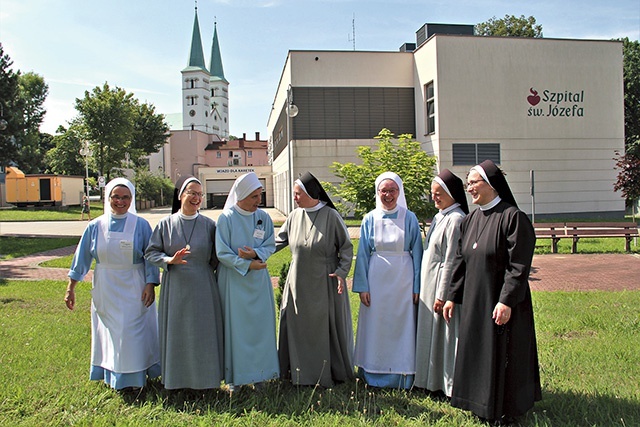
(496, 373)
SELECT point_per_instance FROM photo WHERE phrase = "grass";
(587, 346)
(67, 213)
(13, 247)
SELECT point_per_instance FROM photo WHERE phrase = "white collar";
(317, 207)
(450, 208)
(492, 204)
(188, 217)
(242, 211)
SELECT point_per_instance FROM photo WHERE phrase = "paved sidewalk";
(568, 272)
(571, 272)
(27, 267)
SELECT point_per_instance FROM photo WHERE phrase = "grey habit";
(189, 313)
(315, 343)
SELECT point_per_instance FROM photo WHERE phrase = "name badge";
(126, 245)
(258, 234)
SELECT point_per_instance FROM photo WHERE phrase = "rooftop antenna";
(352, 37)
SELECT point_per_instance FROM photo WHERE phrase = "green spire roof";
(196, 57)
(216, 58)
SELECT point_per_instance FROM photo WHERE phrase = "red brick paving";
(570, 272)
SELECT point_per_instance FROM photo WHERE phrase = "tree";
(10, 110)
(32, 145)
(628, 182)
(404, 157)
(152, 186)
(631, 76)
(510, 26)
(118, 127)
(107, 119)
(149, 132)
(628, 164)
(64, 158)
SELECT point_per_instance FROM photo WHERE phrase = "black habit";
(496, 371)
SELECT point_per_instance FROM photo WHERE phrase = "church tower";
(219, 90)
(205, 95)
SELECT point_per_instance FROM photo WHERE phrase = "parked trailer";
(42, 189)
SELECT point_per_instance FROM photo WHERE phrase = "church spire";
(216, 57)
(196, 56)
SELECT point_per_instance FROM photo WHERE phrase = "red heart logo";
(533, 99)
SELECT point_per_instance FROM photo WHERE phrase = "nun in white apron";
(387, 277)
(124, 322)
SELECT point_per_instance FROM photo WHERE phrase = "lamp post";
(292, 111)
(86, 152)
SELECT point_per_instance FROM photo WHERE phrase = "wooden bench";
(576, 230)
(551, 230)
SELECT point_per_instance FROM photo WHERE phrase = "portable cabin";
(42, 189)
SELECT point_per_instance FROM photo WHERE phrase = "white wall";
(482, 90)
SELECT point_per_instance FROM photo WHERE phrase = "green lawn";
(67, 213)
(588, 346)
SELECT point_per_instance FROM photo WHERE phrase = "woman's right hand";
(257, 264)
(365, 298)
(177, 258)
(70, 298)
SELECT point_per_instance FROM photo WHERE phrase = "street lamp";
(292, 111)
(86, 152)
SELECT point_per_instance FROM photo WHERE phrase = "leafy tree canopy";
(118, 129)
(64, 158)
(510, 26)
(10, 110)
(628, 163)
(403, 156)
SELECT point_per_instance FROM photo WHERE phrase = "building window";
(218, 155)
(230, 153)
(473, 154)
(249, 153)
(430, 108)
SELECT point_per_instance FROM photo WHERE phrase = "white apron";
(124, 333)
(386, 329)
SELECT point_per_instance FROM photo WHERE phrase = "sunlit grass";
(587, 343)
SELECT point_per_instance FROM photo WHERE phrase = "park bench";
(551, 230)
(576, 230)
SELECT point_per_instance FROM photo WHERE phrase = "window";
(430, 109)
(473, 154)
(218, 155)
(230, 153)
(249, 153)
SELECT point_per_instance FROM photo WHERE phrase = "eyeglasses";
(119, 198)
(389, 192)
(473, 183)
(194, 193)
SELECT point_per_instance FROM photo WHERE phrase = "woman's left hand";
(341, 282)
(149, 294)
(501, 314)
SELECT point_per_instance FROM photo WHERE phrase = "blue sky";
(142, 45)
